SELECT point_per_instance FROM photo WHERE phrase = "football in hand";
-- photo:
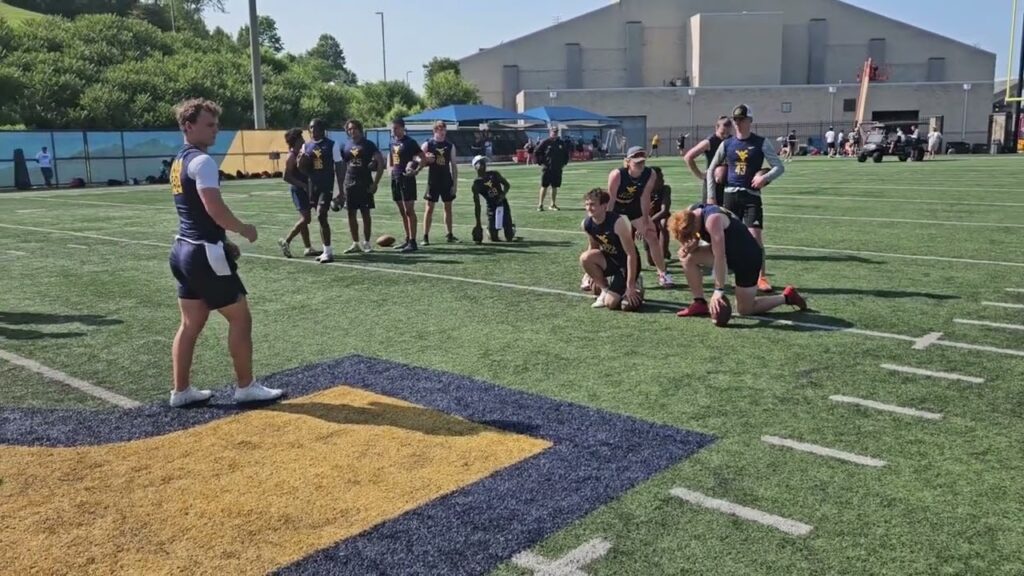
(233, 251)
(724, 314)
(478, 234)
(386, 241)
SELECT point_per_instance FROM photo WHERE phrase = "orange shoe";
(763, 285)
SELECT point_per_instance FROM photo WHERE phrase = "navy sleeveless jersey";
(403, 151)
(439, 174)
(359, 165)
(322, 153)
(194, 222)
(631, 189)
(607, 240)
(744, 158)
(738, 240)
(488, 187)
(714, 142)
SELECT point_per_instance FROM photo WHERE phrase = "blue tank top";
(440, 172)
(607, 240)
(744, 158)
(631, 189)
(194, 222)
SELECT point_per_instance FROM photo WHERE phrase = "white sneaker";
(599, 302)
(324, 258)
(189, 396)
(353, 249)
(366, 248)
(665, 280)
(256, 392)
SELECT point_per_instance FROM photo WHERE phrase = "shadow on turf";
(412, 418)
(825, 258)
(379, 257)
(33, 318)
(22, 334)
(878, 293)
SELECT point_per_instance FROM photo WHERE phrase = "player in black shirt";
(442, 179)
(364, 166)
(708, 147)
(611, 259)
(491, 187)
(552, 156)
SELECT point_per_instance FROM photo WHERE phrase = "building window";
(849, 104)
(787, 107)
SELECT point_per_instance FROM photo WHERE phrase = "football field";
(878, 433)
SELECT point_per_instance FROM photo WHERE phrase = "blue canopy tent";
(571, 116)
(472, 115)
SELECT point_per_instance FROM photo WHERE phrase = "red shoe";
(763, 285)
(696, 308)
(793, 298)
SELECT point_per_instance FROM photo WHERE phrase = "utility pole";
(259, 117)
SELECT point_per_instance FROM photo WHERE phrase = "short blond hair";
(188, 111)
(440, 124)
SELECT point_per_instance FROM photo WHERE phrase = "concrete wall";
(757, 61)
(670, 107)
(669, 46)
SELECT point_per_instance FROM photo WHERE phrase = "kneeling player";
(493, 188)
(612, 260)
(729, 246)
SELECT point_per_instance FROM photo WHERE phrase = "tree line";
(72, 68)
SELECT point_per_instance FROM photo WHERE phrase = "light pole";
(831, 105)
(963, 124)
(407, 72)
(259, 119)
(383, 46)
(692, 92)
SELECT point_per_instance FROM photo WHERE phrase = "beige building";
(646, 61)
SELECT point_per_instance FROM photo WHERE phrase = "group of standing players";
(723, 232)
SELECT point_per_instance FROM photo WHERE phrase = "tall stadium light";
(383, 46)
(259, 117)
(831, 105)
(692, 92)
(407, 72)
(963, 124)
(173, 27)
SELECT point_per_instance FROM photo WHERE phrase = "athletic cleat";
(696, 308)
(311, 253)
(451, 239)
(256, 392)
(189, 396)
(366, 248)
(555, 207)
(587, 283)
(353, 249)
(324, 259)
(426, 240)
(410, 247)
(286, 250)
(540, 208)
(599, 302)
(763, 285)
(665, 280)
(402, 247)
(793, 298)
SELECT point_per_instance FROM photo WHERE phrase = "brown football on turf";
(724, 313)
(386, 241)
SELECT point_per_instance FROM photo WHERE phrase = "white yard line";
(1018, 290)
(791, 527)
(933, 373)
(81, 385)
(569, 565)
(886, 407)
(78, 246)
(1004, 305)
(539, 289)
(989, 324)
(16, 253)
(823, 451)
(768, 195)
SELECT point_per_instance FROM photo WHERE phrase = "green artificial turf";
(949, 501)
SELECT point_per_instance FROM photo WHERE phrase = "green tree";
(73, 8)
(438, 65)
(446, 88)
(329, 50)
(269, 36)
(372, 103)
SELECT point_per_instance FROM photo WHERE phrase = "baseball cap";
(634, 150)
(742, 112)
(478, 159)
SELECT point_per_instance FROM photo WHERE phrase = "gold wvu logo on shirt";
(606, 245)
(356, 161)
(394, 154)
(439, 158)
(741, 166)
(318, 159)
(628, 195)
(176, 177)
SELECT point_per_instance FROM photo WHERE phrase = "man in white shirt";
(830, 142)
(934, 141)
(45, 162)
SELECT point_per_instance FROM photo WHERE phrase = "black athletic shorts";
(615, 273)
(551, 178)
(403, 188)
(746, 206)
(197, 280)
(358, 197)
(443, 193)
(746, 267)
(321, 194)
(632, 210)
(719, 193)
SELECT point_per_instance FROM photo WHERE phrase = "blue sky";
(418, 31)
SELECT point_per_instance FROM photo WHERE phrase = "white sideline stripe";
(904, 220)
(16, 253)
(1003, 305)
(823, 451)
(927, 340)
(520, 287)
(30, 210)
(579, 233)
(1015, 289)
(885, 407)
(569, 565)
(932, 373)
(78, 246)
(867, 199)
(82, 385)
(990, 324)
(791, 527)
